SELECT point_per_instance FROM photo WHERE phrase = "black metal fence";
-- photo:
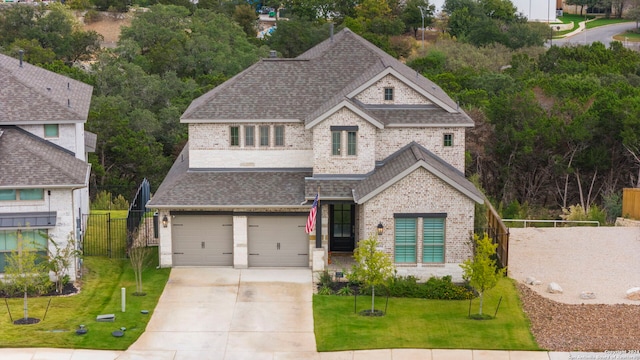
(106, 235)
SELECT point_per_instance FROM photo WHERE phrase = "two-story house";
(44, 173)
(381, 144)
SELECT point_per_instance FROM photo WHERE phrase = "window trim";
(18, 194)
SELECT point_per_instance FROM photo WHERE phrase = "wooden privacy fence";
(631, 203)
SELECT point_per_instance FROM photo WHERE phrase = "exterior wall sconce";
(380, 228)
(165, 221)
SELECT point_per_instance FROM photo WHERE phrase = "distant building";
(534, 10)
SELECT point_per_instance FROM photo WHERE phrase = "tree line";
(554, 127)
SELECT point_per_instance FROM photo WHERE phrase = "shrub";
(345, 291)
(104, 201)
(325, 290)
(92, 16)
(435, 288)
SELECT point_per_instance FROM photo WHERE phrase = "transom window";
(337, 135)
(51, 131)
(448, 140)
(388, 94)
(21, 194)
(432, 228)
(12, 240)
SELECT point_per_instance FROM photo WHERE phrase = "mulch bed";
(586, 327)
(68, 289)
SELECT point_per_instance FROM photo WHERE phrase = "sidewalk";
(395, 354)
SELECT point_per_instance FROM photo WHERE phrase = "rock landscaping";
(581, 327)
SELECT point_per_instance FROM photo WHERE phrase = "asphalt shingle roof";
(307, 86)
(204, 189)
(29, 161)
(32, 95)
(403, 160)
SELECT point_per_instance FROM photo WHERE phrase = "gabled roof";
(405, 161)
(28, 161)
(315, 84)
(228, 188)
(32, 95)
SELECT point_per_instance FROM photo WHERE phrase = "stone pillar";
(240, 242)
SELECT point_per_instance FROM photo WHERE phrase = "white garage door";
(278, 241)
(202, 240)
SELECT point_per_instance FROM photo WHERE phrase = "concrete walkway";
(253, 314)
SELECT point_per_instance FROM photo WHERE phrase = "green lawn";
(99, 294)
(419, 323)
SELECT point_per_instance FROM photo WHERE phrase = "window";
(21, 194)
(388, 94)
(31, 194)
(9, 241)
(235, 136)
(264, 135)
(7, 195)
(249, 136)
(351, 143)
(279, 135)
(51, 130)
(336, 143)
(433, 240)
(405, 246)
(448, 139)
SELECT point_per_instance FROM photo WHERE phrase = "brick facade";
(403, 94)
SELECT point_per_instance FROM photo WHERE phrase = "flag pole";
(318, 223)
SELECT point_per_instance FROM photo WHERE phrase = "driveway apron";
(223, 313)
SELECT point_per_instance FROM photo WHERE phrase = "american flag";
(311, 220)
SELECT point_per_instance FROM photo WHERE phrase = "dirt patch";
(109, 27)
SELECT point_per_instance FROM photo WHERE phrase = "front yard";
(99, 294)
(420, 323)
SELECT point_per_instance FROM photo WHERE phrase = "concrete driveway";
(221, 313)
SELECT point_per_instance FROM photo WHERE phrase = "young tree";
(373, 267)
(61, 258)
(24, 270)
(481, 271)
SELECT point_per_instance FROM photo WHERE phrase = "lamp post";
(423, 10)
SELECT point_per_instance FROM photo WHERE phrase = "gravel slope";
(603, 260)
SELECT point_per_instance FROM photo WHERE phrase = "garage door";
(202, 240)
(278, 241)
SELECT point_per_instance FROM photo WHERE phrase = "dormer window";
(388, 94)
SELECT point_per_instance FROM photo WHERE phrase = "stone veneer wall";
(392, 139)
(362, 163)
(422, 192)
(402, 94)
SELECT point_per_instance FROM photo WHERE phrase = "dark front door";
(341, 227)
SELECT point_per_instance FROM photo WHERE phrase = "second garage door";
(202, 240)
(278, 241)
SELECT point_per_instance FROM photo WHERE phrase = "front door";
(341, 227)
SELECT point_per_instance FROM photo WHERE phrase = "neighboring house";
(44, 172)
(383, 145)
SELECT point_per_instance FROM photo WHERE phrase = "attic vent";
(68, 86)
(21, 52)
(273, 54)
(68, 102)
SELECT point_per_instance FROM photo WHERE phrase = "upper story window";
(235, 136)
(264, 135)
(249, 135)
(51, 131)
(21, 194)
(448, 140)
(388, 94)
(338, 133)
(279, 130)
